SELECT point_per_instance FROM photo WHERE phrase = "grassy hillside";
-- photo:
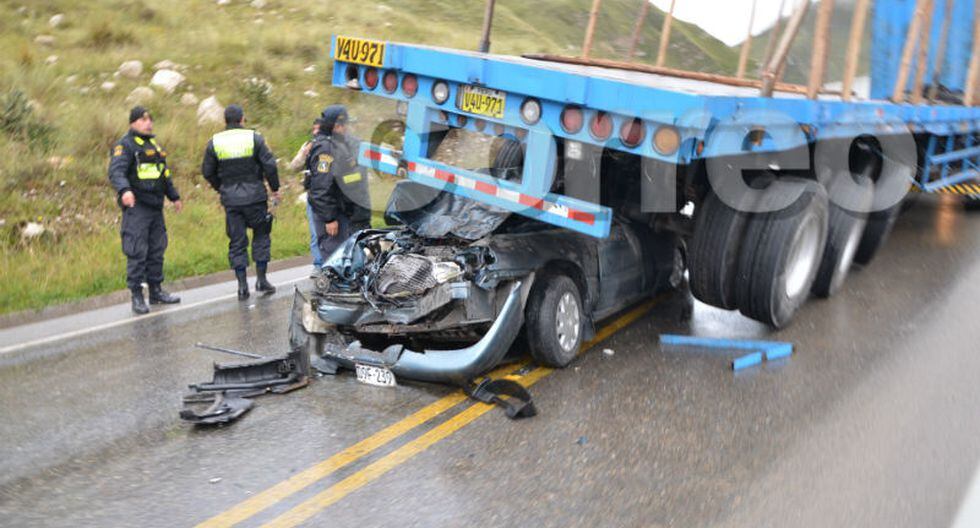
(58, 122)
(798, 63)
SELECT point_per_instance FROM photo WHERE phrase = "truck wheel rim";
(567, 322)
(802, 258)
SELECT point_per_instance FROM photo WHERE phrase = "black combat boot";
(139, 305)
(242, 284)
(159, 296)
(261, 284)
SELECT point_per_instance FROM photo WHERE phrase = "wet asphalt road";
(872, 422)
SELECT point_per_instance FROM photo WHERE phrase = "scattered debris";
(56, 21)
(210, 111)
(228, 395)
(608, 351)
(223, 2)
(758, 350)
(310, 69)
(311, 93)
(45, 40)
(214, 480)
(130, 69)
(582, 440)
(31, 231)
(168, 80)
(140, 94)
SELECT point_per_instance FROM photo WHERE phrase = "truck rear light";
(479, 124)
(440, 92)
(601, 126)
(371, 78)
(571, 119)
(499, 129)
(666, 140)
(460, 121)
(410, 85)
(390, 81)
(531, 111)
(631, 132)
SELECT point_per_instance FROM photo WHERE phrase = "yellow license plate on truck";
(482, 101)
(360, 51)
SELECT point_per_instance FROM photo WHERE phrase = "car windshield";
(431, 213)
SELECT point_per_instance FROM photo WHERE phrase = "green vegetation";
(57, 122)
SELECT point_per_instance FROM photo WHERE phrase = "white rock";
(258, 4)
(85, 89)
(108, 86)
(130, 69)
(608, 351)
(32, 230)
(51, 59)
(44, 40)
(223, 2)
(210, 111)
(383, 7)
(311, 93)
(57, 20)
(3, 222)
(310, 69)
(140, 94)
(71, 79)
(167, 64)
(188, 99)
(168, 80)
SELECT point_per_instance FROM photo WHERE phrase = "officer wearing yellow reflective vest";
(238, 163)
(338, 188)
(139, 174)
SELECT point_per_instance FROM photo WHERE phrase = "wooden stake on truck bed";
(971, 76)
(769, 76)
(665, 35)
(821, 37)
(922, 62)
(854, 43)
(743, 57)
(898, 93)
(590, 29)
(773, 35)
(635, 40)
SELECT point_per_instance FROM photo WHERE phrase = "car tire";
(554, 320)
(713, 253)
(845, 230)
(780, 255)
(879, 226)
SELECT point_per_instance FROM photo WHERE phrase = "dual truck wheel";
(767, 264)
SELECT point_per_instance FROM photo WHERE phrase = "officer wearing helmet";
(238, 164)
(138, 172)
(338, 190)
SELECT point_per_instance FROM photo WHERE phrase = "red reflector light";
(390, 81)
(371, 78)
(601, 126)
(571, 119)
(410, 85)
(631, 133)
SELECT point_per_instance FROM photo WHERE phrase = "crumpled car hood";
(431, 213)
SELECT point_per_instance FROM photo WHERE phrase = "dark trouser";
(326, 242)
(144, 241)
(238, 219)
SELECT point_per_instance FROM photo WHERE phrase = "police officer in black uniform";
(338, 187)
(139, 174)
(236, 161)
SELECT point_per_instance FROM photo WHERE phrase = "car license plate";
(360, 51)
(482, 101)
(378, 376)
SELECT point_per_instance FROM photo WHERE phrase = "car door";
(621, 270)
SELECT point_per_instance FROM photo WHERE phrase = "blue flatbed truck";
(774, 196)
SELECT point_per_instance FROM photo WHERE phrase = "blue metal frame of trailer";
(700, 114)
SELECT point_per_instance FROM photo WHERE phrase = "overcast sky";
(728, 20)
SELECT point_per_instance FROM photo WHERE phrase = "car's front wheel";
(553, 320)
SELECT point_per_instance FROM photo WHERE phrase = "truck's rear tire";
(509, 160)
(713, 252)
(781, 253)
(553, 321)
(880, 224)
(845, 229)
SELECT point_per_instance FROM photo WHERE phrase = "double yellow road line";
(313, 505)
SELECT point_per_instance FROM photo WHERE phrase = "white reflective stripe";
(468, 183)
(508, 195)
(556, 209)
(390, 160)
(425, 171)
(234, 143)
